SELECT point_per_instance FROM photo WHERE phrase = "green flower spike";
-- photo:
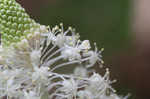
(15, 23)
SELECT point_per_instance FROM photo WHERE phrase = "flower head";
(35, 59)
(29, 66)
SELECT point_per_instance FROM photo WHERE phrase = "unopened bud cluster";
(15, 23)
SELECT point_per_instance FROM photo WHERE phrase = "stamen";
(54, 84)
(57, 51)
(68, 63)
(63, 64)
(52, 61)
(45, 54)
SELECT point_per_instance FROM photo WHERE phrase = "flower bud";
(14, 21)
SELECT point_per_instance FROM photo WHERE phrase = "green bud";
(14, 22)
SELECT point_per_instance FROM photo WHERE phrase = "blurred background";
(120, 26)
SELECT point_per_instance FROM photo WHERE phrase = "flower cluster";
(31, 68)
(39, 62)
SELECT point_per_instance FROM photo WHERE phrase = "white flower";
(49, 37)
(96, 84)
(69, 87)
(12, 88)
(74, 52)
(80, 72)
(71, 53)
(59, 37)
(9, 83)
(27, 68)
(85, 95)
(35, 57)
(99, 85)
(93, 57)
(31, 95)
(85, 45)
(41, 74)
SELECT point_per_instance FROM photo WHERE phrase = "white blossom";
(31, 95)
(40, 74)
(71, 53)
(29, 68)
(80, 72)
(93, 57)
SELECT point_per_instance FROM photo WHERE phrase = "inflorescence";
(29, 68)
(39, 62)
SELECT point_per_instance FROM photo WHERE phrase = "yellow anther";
(61, 24)
(60, 30)
(49, 68)
(102, 49)
(70, 28)
(102, 61)
(56, 27)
